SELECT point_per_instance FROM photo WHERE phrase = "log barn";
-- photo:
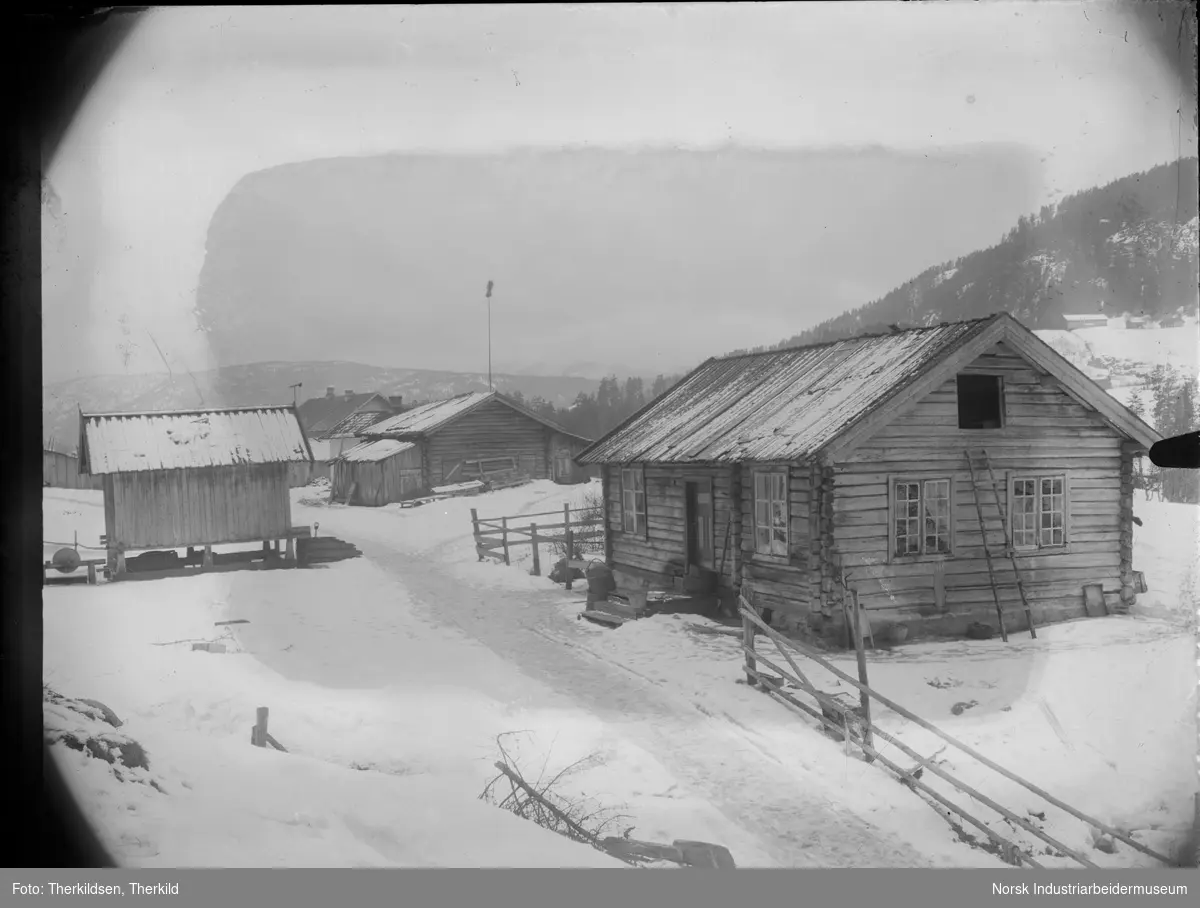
(193, 478)
(774, 473)
(458, 437)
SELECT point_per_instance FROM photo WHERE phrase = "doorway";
(701, 546)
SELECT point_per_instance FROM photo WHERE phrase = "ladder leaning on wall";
(1002, 511)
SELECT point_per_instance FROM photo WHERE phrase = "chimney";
(329, 392)
(397, 402)
(349, 394)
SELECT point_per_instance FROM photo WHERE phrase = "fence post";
(570, 541)
(748, 630)
(258, 734)
(864, 698)
(504, 531)
(567, 530)
(537, 560)
(475, 532)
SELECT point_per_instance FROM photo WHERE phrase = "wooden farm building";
(194, 478)
(319, 416)
(456, 440)
(378, 472)
(349, 432)
(772, 472)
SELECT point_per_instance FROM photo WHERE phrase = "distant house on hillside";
(1136, 322)
(319, 415)
(1076, 322)
(1171, 321)
(192, 478)
(770, 473)
(455, 440)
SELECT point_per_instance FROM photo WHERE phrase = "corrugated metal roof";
(428, 417)
(780, 405)
(176, 440)
(353, 425)
(374, 451)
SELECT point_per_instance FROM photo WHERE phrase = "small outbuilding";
(192, 478)
(377, 472)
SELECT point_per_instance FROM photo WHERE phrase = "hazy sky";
(199, 97)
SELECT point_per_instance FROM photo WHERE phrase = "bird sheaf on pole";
(489, 290)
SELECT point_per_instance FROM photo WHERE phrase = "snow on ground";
(413, 659)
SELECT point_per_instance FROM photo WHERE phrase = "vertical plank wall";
(213, 505)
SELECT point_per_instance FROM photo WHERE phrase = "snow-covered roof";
(429, 418)
(787, 405)
(182, 439)
(376, 450)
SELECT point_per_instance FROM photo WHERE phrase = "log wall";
(1045, 433)
(493, 430)
(662, 550)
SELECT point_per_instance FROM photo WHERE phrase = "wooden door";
(700, 537)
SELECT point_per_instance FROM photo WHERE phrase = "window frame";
(921, 556)
(1001, 400)
(771, 474)
(1038, 548)
(641, 523)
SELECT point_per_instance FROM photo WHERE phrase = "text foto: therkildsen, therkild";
(96, 889)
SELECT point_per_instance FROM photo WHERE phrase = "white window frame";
(894, 516)
(771, 513)
(633, 500)
(1040, 543)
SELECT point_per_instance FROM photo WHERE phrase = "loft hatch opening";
(980, 401)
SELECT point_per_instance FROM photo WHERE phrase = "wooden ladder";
(1009, 555)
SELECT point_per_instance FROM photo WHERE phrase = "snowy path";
(789, 813)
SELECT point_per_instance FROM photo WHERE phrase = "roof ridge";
(854, 337)
(112, 414)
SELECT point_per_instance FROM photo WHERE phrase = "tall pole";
(489, 308)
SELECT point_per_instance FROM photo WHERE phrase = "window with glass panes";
(633, 500)
(1039, 512)
(770, 514)
(921, 515)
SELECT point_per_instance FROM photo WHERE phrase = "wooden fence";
(495, 537)
(852, 724)
(61, 471)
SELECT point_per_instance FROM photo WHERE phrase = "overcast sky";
(199, 97)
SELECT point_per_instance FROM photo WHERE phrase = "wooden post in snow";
(864, 697)
(567, 536)
(475, 531)
(748, 630)
(570, 537)
(537, 558)
(258, 734)
(504, 538)
(208, 559)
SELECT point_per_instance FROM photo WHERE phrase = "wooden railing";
(495, 537)
(853, 724)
